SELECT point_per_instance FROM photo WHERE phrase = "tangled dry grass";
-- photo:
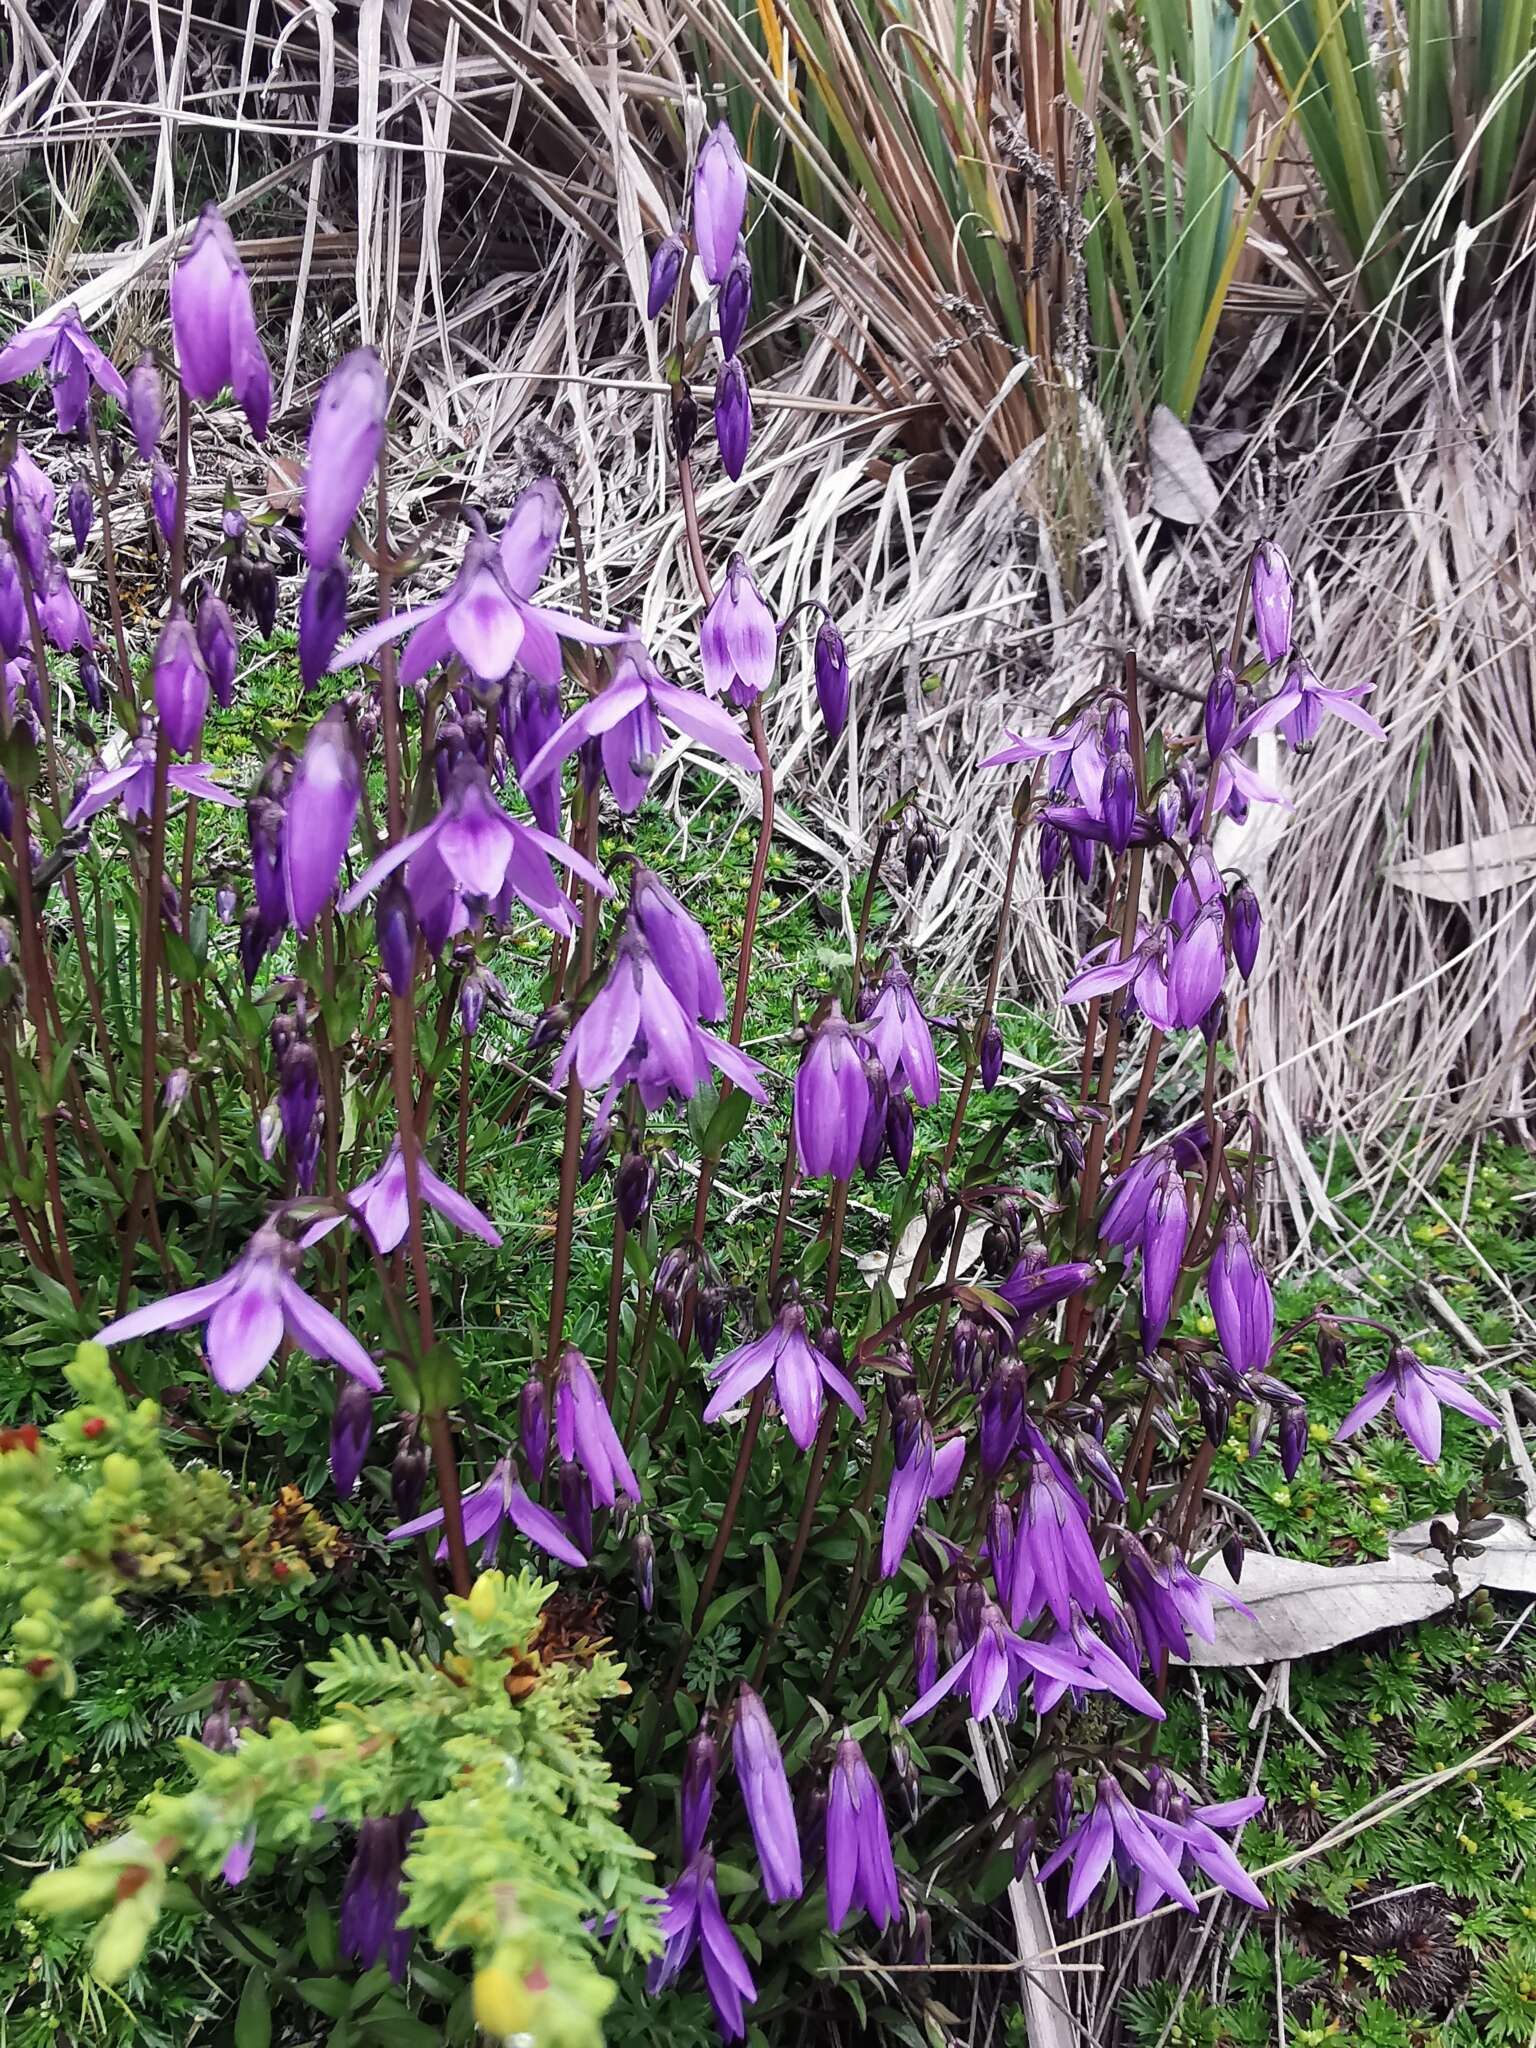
(471, 187)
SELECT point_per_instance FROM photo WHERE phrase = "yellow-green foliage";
(93, 1513)
(519, 1858)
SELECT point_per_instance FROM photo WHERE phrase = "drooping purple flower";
(383, 1203)
(1114, 1831)
(1170, 1603)
(181, 684)
(666, 269)
(145, 406)
(635, 1027)
(164, 498)
(371, 1898)
(395, 930)
(696, 1794)
(13, 607)
(323, 801)
(322, 619)
(733, 303)
(351, 1434)
(1032, 1286)
(61, 615)
(899, 1033)
(1054, 1562)
(1197, 966)
(1241, 1300)
(832, 1099)
(860, 1868)
(738, 640)
(1417, 1392)
(765, 1792)
(81, 507)
(248, 1312)
(830, 663)
(473, 858)
(74, 363)
(584, 1431)
(923, 1471)
(487, 617)
(1273, 601)
(219, 646)
(487, 1509)
(32, 500)
(131, 785)
(214, 323)
(533, 1425)
(528, 712)
(990, 1672)
(1164, 1234)
(719, 202)
(801, 1374)
(625, 718)
(1220, 708)
(1292, 1438)
(733, 416)
(1189, 1833)
(989, 1055)
(1077, 751)
(1119, 801)
(1298, 707)
(1075, 1660)
(678, 946)
(691, 1920)
(345, 437)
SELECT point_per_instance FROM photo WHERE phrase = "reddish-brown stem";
(615, 1303)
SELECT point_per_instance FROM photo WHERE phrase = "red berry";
(93, 1426)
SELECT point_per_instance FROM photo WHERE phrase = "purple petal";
(459, 1210)
(175, 1312)
(540, 1527)
(315, 1330)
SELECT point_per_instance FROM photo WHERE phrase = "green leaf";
(718, 1608)
(773, 1583)
(329, 1995)
(253, 2015)
(729, 1117)
(320, 1934)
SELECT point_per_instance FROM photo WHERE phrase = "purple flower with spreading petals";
(1114, 1830)
(132, 785)
(1170, 1603)
(345, 437)
(765, 1791)
(738, 640)
(990, 1672)
(214, 323)
(74, 362)
(500, 1500)
(832, 1099)
(898, 1031)
(584, 1431)
(472, 859)
(860, 1868)
(1298, 707)
(635, 1027)
(800, 1375)
(927, 1472)
(323, 800)
(733, 417)
(692, 1919)
(719, 202)
(383, 1203)
(1075, 1660)
(678, 946)
(1417, 1392)
(1189, 1834)
(1273, 601)
(1241, 1300)
(626, 717)
(1077, 751)
(248, 1312)
(371, 1898)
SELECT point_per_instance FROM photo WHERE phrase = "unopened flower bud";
(145, 407)
(733, 304)
(899, 1133)
(533, 1425)
(709, 1320)
(162, 498)
(395, 930)
(1220, 708)
(1025, 1835)
(1332, 1352)
(733, 416)
(701, 1763)
(666, 269)
(989, 1055)
(408, 1474)
(1245, 924)
(91, 683)
(830, 662)
(642, 1558)
(81, 508)
(1233, 1552)
(634, 1185)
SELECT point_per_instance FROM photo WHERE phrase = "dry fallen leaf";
(1300, 1609)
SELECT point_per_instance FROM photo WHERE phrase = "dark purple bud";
(1061, 1803)
(829, 1342)
(408, 1474)
(990, 1055)
(830, 661)
(81, 507)
(232, 522)
(642, 1559)
(298, 1102)
(1332, 1351)
(1293, 1438)
(162, 498)
(697, 1796)
(1233, 1553)
(395, 930)
(872, 1142)
(1214, 1023)
(733, 416)
(371, 1898)
(1168, 812)
(322, 620)
(181, 685)
(925, 1650)
(253, 944)
(264, 825)
(346, 435)
(91, 683)
(1052, 845)
(1000, 1541)
(145, 407)
(733, 305)
(917, 1948)
(1002, 1416)
(261, 595)
(634, 1185)
(533, 1425)
(351, 1433)
(908, 1425)
(471, 1002)
(219, 646)
(1245, 923)
(709, 1321)
(1119, 802)
(677, 1279)
(225, 903)
(576, 1504)
(1093, 1458)
(666, 269)
(970, 1604)
(1214, 1405)
(1025, 1835)
(685, 421)
(1220, 709)
(899, 1133)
